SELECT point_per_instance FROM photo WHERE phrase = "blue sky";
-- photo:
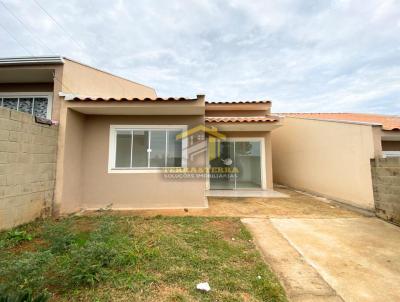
(306, 56)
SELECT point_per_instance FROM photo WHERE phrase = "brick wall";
(386, 183)
(27, 168)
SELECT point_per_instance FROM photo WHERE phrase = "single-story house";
(121, 145)
(329, 154)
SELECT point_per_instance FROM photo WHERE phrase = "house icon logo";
(202, 139)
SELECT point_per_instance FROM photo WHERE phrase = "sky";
(305, 56)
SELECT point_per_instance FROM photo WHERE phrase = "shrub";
(15, 237)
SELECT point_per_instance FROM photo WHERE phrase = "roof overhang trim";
(31, 60)
(238, 102)
(80, 98)
(249, 119)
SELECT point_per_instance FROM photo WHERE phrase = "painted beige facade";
(134, 190)
(328, 158)
(83, 178)
(86, 183)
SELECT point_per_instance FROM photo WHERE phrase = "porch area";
(294, 205)
(246, 193)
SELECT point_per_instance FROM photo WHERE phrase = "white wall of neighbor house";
(328, 158)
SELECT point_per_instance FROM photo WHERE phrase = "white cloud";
(339, 55)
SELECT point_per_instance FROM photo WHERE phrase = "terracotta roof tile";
(239, 102)
(247, 119)
(101, 99)
(388, 122)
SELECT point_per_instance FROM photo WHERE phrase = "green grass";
(110, 258)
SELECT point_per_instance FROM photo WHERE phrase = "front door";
(240, 165)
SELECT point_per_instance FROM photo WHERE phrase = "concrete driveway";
(332, 259)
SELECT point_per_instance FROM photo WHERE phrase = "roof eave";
(47, 60)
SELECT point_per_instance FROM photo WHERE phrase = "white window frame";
(113, 147)
(48, 95)
(391, 153)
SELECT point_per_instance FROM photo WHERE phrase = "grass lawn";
(113, 258)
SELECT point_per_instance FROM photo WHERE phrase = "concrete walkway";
(332, 259)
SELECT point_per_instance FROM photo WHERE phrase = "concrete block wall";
(28, 153)
(386, 184)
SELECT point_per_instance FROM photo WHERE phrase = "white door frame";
(262, 155)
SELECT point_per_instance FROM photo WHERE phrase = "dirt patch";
(226, 228)
(297, 205)
(27, 246)
(172, 294)
(85, 225)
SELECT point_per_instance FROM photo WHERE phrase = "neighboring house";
(329, 153)
(116, 137)
(390, 126)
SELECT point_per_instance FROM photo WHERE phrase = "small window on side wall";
(36, 105)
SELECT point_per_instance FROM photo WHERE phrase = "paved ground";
(297, 205)
(301, 281)
(339, 259)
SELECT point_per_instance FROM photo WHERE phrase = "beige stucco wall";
(27, 168)
(266, 135)
(85, 80)
(328, 158)
(85, 181)
(72, 163)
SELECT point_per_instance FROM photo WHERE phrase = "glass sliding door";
(244, 157)
(248, 162)
(224, 160)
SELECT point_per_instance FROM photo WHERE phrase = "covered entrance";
(237, 164)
